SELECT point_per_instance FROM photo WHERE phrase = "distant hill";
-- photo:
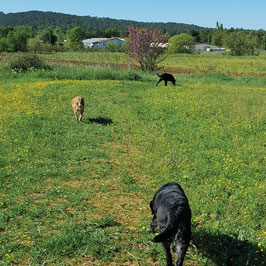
(52, 19)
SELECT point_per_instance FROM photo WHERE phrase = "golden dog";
(78, 106)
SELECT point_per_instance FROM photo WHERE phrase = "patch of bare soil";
(246, 75)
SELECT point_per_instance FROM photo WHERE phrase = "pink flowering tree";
(146, 46)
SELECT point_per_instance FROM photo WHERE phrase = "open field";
(179, 63)
(215, 63)
(218, 63)
(78, 194)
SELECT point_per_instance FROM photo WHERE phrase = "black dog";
(172, 215)
(166, 77)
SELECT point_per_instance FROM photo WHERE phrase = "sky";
(246, 14)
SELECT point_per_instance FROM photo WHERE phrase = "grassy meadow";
(204, 62)
(78, 193)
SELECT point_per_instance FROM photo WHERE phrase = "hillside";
(53, 19)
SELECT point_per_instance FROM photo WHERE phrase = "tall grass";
(218, 63)
(101, 58)
(207, 63)
(253, 65)
(59, 72)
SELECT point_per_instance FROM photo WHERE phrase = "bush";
(113, 47)
(144, 46)
(35, 46)
(240, 43)
(182, 43)
(24, 62)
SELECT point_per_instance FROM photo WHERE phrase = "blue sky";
(235, 13)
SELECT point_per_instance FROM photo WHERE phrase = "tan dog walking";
(78, 106)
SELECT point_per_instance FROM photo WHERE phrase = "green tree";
(4, 31)
(243, 43)
(217, 38)
(16, 40)
(205, 35)
(111, 32)
(3, 45)
(182, 43)
(145, 46)
(113, 47)
(34, 45)
(47, 36)
(74, 38)
(217, 35)
(195, 34)
(60, 34)
(263, 41)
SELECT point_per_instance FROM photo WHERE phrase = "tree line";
(93, 26)
(28, 38)
(46, 31)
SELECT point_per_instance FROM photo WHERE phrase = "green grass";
(205, 62)
(60, 72)
(218, 63)
(73, 194)
(94, 57)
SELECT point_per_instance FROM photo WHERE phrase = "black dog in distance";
(166, 77)
(172, 215)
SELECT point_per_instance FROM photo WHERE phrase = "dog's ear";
(151, 207)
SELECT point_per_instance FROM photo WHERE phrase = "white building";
(161, 45)
(201, 47)
(102, 42)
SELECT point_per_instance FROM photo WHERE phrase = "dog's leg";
(80, 116)
(165, 82)
(181, 249)
(159, 81)
(169, 259)
(76, 116)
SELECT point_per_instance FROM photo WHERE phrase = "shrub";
(113, 47)
(240, 43)
(182, 43)
(24, 62)
(145, 46)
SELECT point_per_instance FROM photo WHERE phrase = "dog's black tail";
(158, 75)
(170, 230)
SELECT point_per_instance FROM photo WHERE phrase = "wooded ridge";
(42, 19)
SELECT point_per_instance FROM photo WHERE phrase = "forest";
(38, 31)
(93, 25)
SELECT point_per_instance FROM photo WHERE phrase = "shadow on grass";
(225, 250)
(101, 120)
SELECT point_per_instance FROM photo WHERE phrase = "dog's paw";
(169, 264)
(156, 239)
